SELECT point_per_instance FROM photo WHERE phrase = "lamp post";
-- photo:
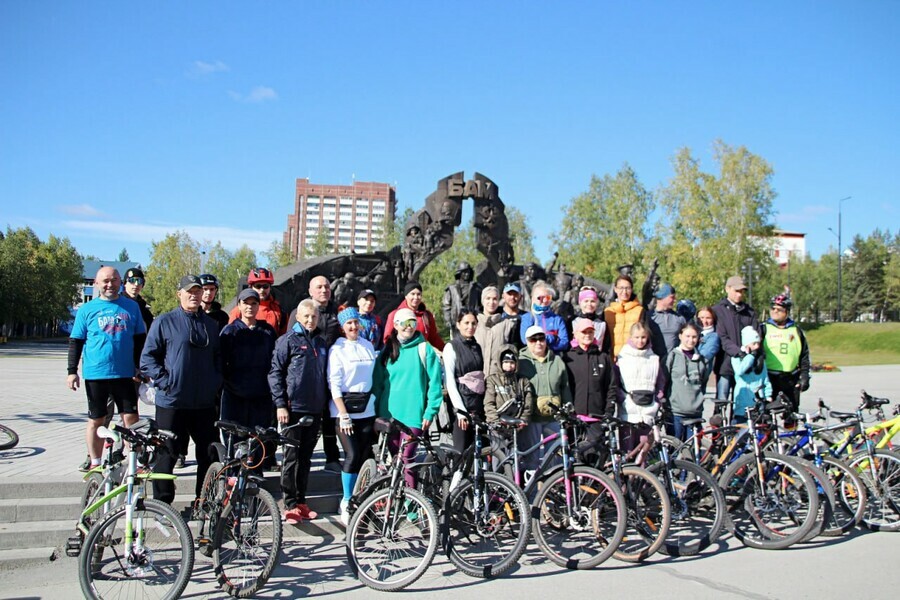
(748, 273)
(840, 283)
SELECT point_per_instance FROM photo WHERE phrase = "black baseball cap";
(365, 293)
(189, 281)
(134, 272)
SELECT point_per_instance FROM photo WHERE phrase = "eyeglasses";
(408, 323)
(538, 338)
(261, 286)
(136, 280)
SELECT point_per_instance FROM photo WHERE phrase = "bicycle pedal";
(73, 546)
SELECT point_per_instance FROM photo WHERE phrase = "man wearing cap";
(208, 300)
(182, 357)
(108, 334)
(542, 315)
(664, 323)
(506, 328)
(592, 378)
(247, 346)
(134, 284)
(732, 315)
(371, 326)
(270, 311)
(787, 353)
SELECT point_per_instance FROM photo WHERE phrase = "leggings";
(409, 453)
(357, 445)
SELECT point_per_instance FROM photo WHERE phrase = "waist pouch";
(642, 397)
(356, 402)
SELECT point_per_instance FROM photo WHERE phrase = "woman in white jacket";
(641, 385)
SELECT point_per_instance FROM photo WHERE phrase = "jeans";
(724, 385)
(680, 431)
(529, 437)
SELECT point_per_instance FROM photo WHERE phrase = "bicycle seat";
(842, 415)
(719, 402)
(382, 425)
(511, 421)
(692, 422)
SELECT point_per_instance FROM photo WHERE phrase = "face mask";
(540, 309)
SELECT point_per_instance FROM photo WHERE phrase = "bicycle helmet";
(784, 301)
(260, 275)
(209, 279)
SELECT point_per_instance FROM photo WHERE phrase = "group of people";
(342, 366)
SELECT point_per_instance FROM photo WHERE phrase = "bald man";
(108, 334)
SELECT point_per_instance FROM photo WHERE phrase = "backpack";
(442, 421)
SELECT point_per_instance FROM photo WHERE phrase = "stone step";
(27, 557)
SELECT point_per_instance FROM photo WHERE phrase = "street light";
(840, 284)
(748, 272)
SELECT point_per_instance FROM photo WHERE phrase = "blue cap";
(512, 287)
(664, 291)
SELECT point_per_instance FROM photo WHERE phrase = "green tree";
(175, 256)
(521, 236)
(242, 261)
(322, 244)
(892, 280)
(606, 226)
(865, 271)
(123, 255)
(393, 229)
(278, 255)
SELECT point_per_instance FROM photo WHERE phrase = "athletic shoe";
(345, 512)
(179, 462)
(292, 515)
(306, 513)
(332, 467)
(86, 465)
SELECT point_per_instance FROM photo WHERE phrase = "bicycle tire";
(92, 487)
(487, 545)
(826, 499)
(850, 496)
(9, 439)
(883, 496)
(168, 560)
(367, 472)
(776, 515)
(242, 566)
(374, 537)
(208, 506)
(595, 531)
(649, 515)
(698, 508)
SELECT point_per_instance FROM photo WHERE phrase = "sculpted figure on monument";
(463, 293)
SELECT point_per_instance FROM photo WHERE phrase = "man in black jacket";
(182, 358)
(592, 378)
(732, 315)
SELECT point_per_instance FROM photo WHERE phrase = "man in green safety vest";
(787, 353)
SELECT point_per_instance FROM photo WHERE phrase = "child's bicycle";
(141, 546)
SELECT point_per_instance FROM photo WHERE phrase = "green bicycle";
(139, 546)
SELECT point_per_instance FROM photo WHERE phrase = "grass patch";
(852, 344)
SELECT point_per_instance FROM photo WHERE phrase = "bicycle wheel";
(584, 533)
(367, 472)
(649, 515)
(158, 564)
(392, 539)
(850, 496)
(771, 510)
(883, 489)
(487, 528)
(826, 499)
(207, 508)
(8, 438)
(246, 545)
(698, 507)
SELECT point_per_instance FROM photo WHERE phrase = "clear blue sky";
(121, 121)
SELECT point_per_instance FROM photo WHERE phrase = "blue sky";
(120, 122)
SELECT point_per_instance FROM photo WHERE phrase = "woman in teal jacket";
(407, 383)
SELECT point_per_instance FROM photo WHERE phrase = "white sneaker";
(345, 513)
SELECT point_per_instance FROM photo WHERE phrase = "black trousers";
(786, 383)
(358, 445)
(329, 437)
(195, 424)
(297, 459)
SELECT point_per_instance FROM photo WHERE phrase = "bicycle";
(579, 513)
(392, 535)
(141, 544)
(9, 439)
(879, 469)
(881, 433)
(240, 522)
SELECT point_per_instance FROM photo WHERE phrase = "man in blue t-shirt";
(108, 334)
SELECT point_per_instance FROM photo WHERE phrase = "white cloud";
(231, 237)
(80, 210)
(199, 68)
(258, 94)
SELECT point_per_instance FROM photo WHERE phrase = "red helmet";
(260, 275)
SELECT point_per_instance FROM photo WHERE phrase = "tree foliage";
(278, 255)
(38, 281)
(123, 255)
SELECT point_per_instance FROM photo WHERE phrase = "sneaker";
(306, 513)
(332, 467)
(86, 465)
(345, 511)
(292, 515)
(179, 462)
(412, 511)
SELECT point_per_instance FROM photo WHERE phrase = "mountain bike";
(579, 513)
(141, 546)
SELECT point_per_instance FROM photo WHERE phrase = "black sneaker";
(179, 462)
(86, 465)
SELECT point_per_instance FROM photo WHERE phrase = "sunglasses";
(407, 323)
(136, 280)
(544, 298)
(538, 338)
(261, 286)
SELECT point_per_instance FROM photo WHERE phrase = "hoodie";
(425, 325)
(502, 387)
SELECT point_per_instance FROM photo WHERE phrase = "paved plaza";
(50, 421)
